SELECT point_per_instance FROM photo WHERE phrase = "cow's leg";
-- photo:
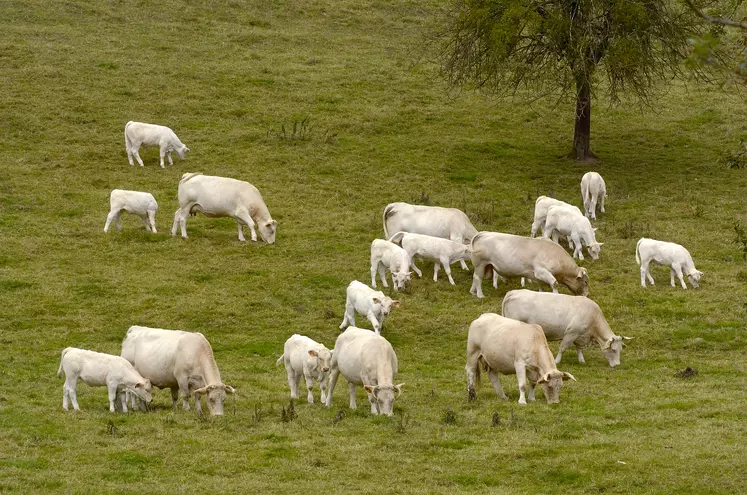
(678, 270)
(447, 269)
(129, 157)
(495, 278)
(671, 276)
(198, 405)
(415, 268)
(370, 316)
(576, 245)
(382, 275)
(477, 275)
(564, 344)
(323, 389)
(349, 316)
(601, 201)
(351, 391)
(593, 206)
(72, 392)
(65, 395)
(136, 152)
(473, 361)
(174, 398)
(180, 220)
(292, 383)
(152, 219)
(112, 389)
(184, 392)
(241, 231)
(245, 218)
(332, 382)
(645, 273)
(113, 216)
(496, 384)
(521, 377)
(535, 227)
(436, 268)
(374, 265)
(168, 155)
(144, 218)
(580, 353)
(372, 401)
(162, 152)
(530, 390)
(544, 275)
(463, 264)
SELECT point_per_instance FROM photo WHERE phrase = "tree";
(561, 48)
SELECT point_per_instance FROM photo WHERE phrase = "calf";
(303, 356)
(668, 254)
(386, 255)
(571, 319)
(138, 203)
(593, 190)
(223, 197)
(516, 256)
(442, 252)
(98, 369)
(541, 206)
(139, 134)
(365, 358)
(506, 346)
(366, 301)
(574, 226)
(181, 361)
(449, 223)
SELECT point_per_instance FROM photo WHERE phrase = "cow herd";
(515, 343)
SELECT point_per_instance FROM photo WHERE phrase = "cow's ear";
(395, 303)
(543, 379)
(313, 353)
(273, 222)
(607, 344)
(568, 376)
(376, 300)
(369, 389)
(398, 388)
(140, 385)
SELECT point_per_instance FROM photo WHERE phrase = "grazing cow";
(138, 203)
(366, 301)
(506, 346)
(593, 190)
(667, 254)
(386, 255)
(180, 361)
(541, 206)
(571, 319)
(439, 250)
(366, 358)
(223, 197)
(303, 356)
(574, 226)
(449, 223)
(139, 134)
(516, 256)
(98, 369)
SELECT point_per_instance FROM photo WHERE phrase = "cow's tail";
(388, 211)
(506, 298)
(62, 357)
(128, 143)
(397, 238)
(280, 360)
(189, 175)
(585, 192)
(637, 251)
(480, 361)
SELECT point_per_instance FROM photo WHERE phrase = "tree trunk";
(582, 130)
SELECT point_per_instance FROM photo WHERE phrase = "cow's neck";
(210, 373)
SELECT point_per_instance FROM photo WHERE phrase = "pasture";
(318, 105)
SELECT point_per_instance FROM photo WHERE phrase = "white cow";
(574, 226)
(571, 319)
(366, 358)
(667, 254)
(541, 206)
(449, 223)
(593, 190)
(98, 369)
(442, 252)
(180, 361)
(223, 197)
(305, 357)
(385, 256)
(139, 134)
(516, 256)
(138, 203)
(506, 346)
(366, 301)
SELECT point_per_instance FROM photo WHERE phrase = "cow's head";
(613, 347)
(322, 358)
(579, 284)
(382, 397)
(400, 279)
(594, 250)
(386, 303)
(694, 278)
(551, 383)
(144, 390)
(182, 151)
(216, 395)
(267, 231)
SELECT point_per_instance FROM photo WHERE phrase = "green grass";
(226, 76)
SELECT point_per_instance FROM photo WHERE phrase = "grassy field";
(228, 77)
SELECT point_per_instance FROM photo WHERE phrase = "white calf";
(593, 189)
(576, 227)
(139, 134)
(366, 301)
(386, 255)
(304, 356)
(138, 203)
(442, 252)
(541, 206)
(668, 254)
(98, 369)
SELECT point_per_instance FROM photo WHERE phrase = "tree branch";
(716, 20)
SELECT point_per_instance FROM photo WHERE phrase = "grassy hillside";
(228, 77)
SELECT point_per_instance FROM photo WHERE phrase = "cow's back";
(427, 220)
(153, 353)
(217, 195)
(369, 355)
